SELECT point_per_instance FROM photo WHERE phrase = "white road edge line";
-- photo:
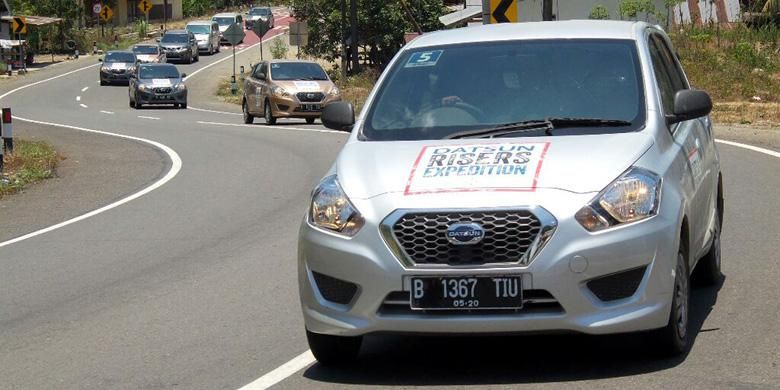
(271, 127)
(107, 112)
(84, 89)
(214, 111)
(283, 372)
(83, 105)
(176, 165)
(749, 147)
(149, 117)
(78, 98)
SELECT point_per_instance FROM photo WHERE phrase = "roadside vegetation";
(225, 93)
(31, 162)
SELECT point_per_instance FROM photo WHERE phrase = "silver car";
(532, 177)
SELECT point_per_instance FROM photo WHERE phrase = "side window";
(662, 77)
(675, 71)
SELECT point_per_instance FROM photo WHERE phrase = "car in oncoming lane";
(287, 89)
(207, 34)
(155, 84)
(117, 66)
(180, 45)
(146, 53)
(262, 15)
(225, 20)
(529, 177)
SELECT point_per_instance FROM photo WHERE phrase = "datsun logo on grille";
(465, 233)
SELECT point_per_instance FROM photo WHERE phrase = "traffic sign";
(234, 34)
(503, 11)
(96, 8)
(106, 13)
(19, 25)
(145, 6)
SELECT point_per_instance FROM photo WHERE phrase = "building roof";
(571, 29)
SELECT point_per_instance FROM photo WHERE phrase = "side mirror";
(157, 40)
(183, 75)
(100, 60)
(261, 76)
(690, 104)
(339, 116)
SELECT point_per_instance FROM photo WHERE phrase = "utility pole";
(547, 10)
(354, 46)
(165, 14)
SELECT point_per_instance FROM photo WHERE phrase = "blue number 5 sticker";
(424, 58)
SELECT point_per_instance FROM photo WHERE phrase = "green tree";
(599, 11)
(381, 26)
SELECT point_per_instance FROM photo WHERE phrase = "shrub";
(599, 12)
(279, 49)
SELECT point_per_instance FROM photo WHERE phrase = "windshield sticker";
(307, 85)
(477, 167)
(424, 58)
(118, 65)
(163, 82)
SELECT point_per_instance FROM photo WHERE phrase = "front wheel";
(674, 339)
(333, 350)
(310, 120)
(268, 114)
(708, 271)
(248, 118)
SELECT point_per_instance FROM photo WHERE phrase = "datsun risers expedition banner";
(477, 167)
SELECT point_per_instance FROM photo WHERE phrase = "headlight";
(281, 92)
(332, 210)
(142, 87)
(104, 68)
(180, 87)
(334, 91)
(634, 196)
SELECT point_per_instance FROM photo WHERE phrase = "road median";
(31, 162)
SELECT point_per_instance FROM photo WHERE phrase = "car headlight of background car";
(180, 87)
(334, 91)
(634, 196)
(281, 92)
(331, 209)
(142, 87)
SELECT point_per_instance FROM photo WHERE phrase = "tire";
(708, 271)
(268, 114)
(183, 106)
(248, 118)
(674, 339)
(103, 83)
(310, 120)
(138, 104)
(132, 104)
(334, 350)
(211, 50)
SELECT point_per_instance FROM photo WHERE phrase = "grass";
(224, 92)
(355, 89)
(739, 67)
(31, 162)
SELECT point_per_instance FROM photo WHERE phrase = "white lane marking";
(214, 111)
(84, 89)
(189, 76)
(750, 147)
(176, 165)
(154, 118)
(283, 372)
(83, 105)
(259, 126)
(107, 112)
(78, 98)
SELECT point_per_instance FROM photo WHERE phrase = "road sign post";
(8, 134)
(234, 35)
(260, 29)
(501, 11)
(145, 6)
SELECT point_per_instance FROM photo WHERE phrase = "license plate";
(310, 107)
(162, 97)
(466, 293)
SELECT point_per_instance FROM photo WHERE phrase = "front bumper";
(151, 97)
(558, 270)
(291, 107)
(203, 45)
(112, 76)
(178, 55)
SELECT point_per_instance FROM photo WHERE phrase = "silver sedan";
(532, 177)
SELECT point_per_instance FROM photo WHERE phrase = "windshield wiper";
(548, 125)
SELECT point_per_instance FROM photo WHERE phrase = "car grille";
(163, 90)
(534, 302)
(118, 71)
(310, 96)
(507, 237)
(617, 286)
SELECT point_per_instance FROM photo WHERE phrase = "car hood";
(159, 82)
(580, 164)
(118, 65)
(202, 37)
(305, 85)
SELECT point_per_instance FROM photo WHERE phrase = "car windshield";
(297, 71)
(260, 11)
(174, 38)
(145, 50)
(438, 92)
(199, 29)
(158, 72)
(119, 57)
(224, 20)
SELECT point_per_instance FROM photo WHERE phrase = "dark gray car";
(180, 45)
(157, 84)
(117, 66)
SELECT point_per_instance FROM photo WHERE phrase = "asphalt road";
(193, 285)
